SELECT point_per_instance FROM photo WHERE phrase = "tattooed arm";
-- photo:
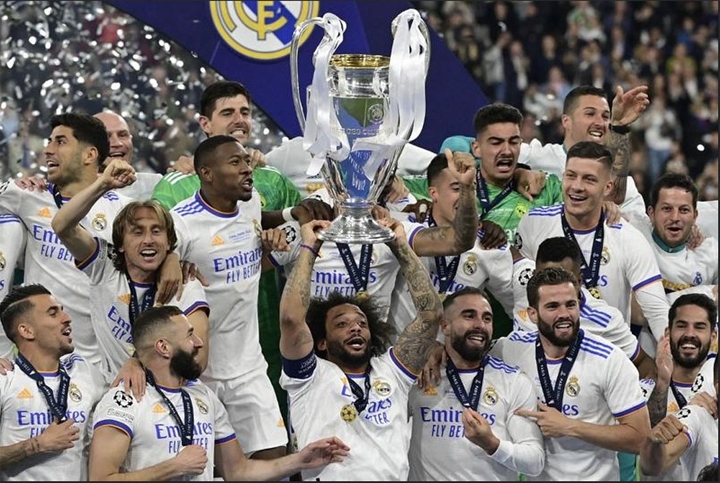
(412, 345)
(295, 337)
(627, 107)
(460, 236)
(658, 401)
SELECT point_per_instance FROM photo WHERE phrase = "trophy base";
(356, 226)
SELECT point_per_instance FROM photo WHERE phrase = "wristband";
(287, 214)
(620, 129)
(315, 252)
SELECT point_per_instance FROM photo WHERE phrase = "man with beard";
(47, 399)
(465, 428)
(589, 403)
(681, 354)
(690, 439)
(341, 377)
(150, 440)
(617, 259)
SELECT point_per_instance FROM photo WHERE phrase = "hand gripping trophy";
(361, 111)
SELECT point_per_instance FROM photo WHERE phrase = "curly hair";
(381, 332)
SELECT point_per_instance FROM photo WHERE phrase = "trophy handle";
(425, 33)
(294, 73)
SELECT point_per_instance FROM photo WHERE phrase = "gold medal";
(595, 292)
(348, 413)
(362, 296)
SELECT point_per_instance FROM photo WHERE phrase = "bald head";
(119, 136)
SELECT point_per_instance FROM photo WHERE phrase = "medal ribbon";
(148, 300)
(56, 196)
(446, 273)
(58, 407)
(362, 398)
(682, 402)
(358, 275)
(590, 273)
(468, 401)
(554, 396)
(484, 195)
(186, 428)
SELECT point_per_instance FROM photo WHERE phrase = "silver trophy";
(361, 111)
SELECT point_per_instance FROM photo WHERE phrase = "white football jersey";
(227, 249)
(154, 433)
(627, 263)
(330, 273)
(477, 267)
(12, 249)
(143, 186)
(379, 436)
(24, 414)
(601, 387)
(439, 449)
(702, 432)
(110, 306)
(48, 262)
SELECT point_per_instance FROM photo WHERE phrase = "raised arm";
(412, 345)
(295, 337)
(66, 223)
(460, 236)
(627, 107)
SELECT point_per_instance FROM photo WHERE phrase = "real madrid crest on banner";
(261, 30)
(573, 387)
(99, 223)
(470, 266)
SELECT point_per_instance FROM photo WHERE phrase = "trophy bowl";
(356, 133)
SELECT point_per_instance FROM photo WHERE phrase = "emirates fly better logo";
(262, 30)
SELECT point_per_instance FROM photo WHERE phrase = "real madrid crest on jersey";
(3, 262)
(470, 266)
(605, 256)
(490, 396)
(202, 405)
(74, 393)
(573, 387)
(382, 388)
(99, 223)
(261, 30)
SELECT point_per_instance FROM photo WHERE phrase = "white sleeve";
(525, 452)
(499, 265)
(524, 238)
(184, 243)
(622, 391)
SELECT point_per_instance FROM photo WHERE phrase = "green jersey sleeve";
(175, 187)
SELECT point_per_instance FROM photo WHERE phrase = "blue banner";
(250, 42)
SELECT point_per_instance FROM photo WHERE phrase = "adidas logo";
(124, 298)
(217, 240)
(430, 391)
(158, 409)
(25, 394)
(45, 213)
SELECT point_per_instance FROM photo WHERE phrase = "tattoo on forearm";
(466, 218)
(296, 295)
(411, 347)
(619, 145)
(657, 405)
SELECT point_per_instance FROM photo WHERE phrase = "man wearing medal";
(465, 428)
(367, 270)
(340, 374)
(608, 263)
(123, 275)
(47, 398)
(590, 405)
(596, 316)
(180, 429)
